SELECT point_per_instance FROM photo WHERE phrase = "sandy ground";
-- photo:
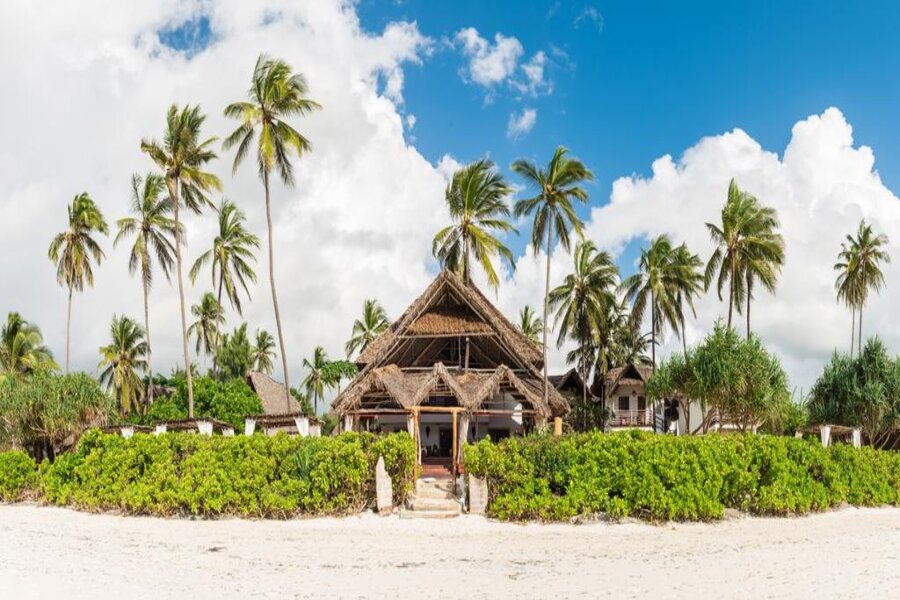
(52, 552)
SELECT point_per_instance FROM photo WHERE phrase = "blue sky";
(649, 78)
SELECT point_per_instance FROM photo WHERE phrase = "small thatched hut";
(271, 394)
(451, 369)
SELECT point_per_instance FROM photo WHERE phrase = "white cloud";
(520, 124)
(821, 188)
(489, 64)
(534, 70)
(590, 16)
(357, 225)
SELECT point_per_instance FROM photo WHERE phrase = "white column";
(160, 429)
(798, 435)
(825, 435)
(127, 432)
(249, 426)
(228, 432)
(271, 431)
(315, 431)
(348, 422)
(856, 437)
(205, 427)
(411, 424)
(302, 424)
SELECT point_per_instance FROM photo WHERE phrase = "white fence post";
(856, 437)
(249, 426)
(205, 427)
(302, 426)
(160, 429)
(127, 432)
(825, 435)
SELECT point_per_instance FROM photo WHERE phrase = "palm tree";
(275, 94)
(181, 155)
(121, 360)
(657, 282)
(153, 230)
(859, 267)
(554, 215)
(476, 198)
(315, 381)
(73, 249)
(22, 349)
(580, 303)
(748, 248)
(230, 258)
(264, 351)
(531, 325)
(690, 279)
(374, 321)
(210, 317)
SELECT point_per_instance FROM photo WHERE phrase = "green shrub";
(229, 401)
(18, 473)
(677, 478)
(250, 476)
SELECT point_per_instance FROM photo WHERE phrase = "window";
(624, 403)
(642, 403)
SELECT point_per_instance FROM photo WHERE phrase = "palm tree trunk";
(547, 306)
(69, 329)
(147, 330)
(216, 337)
(683, 338)
(284, 361)
(859, 346)
(731, 291)
(748, 311)
(653, 327)
(852, 329)
(174, 189)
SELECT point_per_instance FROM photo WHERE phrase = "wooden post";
(416, 437)
(453, 414)
(557, 426)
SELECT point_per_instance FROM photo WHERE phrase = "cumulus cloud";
(821, 187)
(357, 225)
(521, 123)
(489, 64)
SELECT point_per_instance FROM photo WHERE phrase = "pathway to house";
(51, 552)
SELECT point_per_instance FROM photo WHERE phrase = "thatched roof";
(471, 390)
(630, 374)
(271, 394)
(570, 381)
(450, 306)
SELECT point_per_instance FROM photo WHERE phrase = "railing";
(631, 418)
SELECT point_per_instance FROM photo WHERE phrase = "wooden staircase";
(433, 499)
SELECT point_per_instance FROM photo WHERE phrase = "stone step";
(434, 505)
(433, 493)
(428, 514)
(427, 483)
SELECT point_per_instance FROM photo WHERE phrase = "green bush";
(250, 476)
(17, 475)
(677, 478)
(229, 401)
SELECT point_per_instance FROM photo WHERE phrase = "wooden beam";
(455, 443)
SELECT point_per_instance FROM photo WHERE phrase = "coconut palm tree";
(73, 250)
(374, 321)
(209, 317)
(476, 199)
(264, 351)
(182, 155)
(580, 303)
(153, 230)
(121, 359)
(230, 259)
(748, 248)
(531, 324)
(554, 216)
(315, 381)
(859, 271)
(22, 349)
(690, 279)
(276, 93)
(656, 285)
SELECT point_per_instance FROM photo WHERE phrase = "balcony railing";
(631, 418)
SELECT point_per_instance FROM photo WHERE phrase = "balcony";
(631, 418)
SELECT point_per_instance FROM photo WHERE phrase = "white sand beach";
(53, 552)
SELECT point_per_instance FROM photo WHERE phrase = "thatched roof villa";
(451, 369)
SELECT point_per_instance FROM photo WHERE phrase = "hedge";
(250, 476)
(659, 477)
(17, 475)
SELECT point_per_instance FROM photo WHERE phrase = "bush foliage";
(229, 401)
(188, 474)
(677, 478)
